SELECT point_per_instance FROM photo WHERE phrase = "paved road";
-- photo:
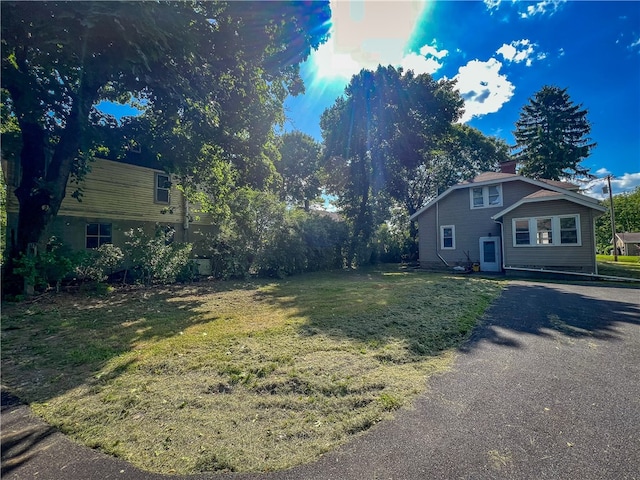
(548, 388)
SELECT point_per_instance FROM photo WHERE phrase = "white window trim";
(485, 196)
(156, 188)
(555, 231)
(453, 237)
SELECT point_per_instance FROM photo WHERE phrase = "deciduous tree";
(627, 214)
(377, 137)
(299, 166)
(212, 77)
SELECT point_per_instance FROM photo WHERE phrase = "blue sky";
(501, 52)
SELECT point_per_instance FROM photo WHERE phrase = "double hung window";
(448, 237)
(163, 185)
(486, 196)
(552, 230)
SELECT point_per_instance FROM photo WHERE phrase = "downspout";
(593, 229)
(501, 244)
(438, 234)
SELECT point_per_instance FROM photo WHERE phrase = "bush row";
(260, 237)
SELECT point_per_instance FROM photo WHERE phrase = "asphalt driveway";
(547, 388)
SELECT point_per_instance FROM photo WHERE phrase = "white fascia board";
(579, 198)
(560, 196)
(432, 202)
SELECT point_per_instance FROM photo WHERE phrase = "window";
(447, 237)
(163, 185)
(544, 231)
(547, 231)
(521, 229)
(487, 196)
(569, 230)
(97, 234)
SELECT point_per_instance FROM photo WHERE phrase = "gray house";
(628, 243)
(506, 222)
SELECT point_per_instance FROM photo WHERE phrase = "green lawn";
(626, 266)
(252, 376)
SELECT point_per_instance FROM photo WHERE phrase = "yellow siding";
(124, 192)
(117, 191)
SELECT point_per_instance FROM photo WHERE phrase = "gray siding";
(567, 258)
(470, 225)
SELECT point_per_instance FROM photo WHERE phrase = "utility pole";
(613, 220)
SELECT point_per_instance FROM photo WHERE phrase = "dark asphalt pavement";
(547, 388)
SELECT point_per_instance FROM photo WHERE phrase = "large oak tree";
(211, 77)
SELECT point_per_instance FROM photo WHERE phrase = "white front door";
(490, 254)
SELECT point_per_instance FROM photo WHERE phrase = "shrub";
(48, 269)
(157, 259)
(98, 264)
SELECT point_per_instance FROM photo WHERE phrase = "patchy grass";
(256, 376)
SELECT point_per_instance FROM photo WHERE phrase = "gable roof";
(546, 196)
(489, 178)
(629, 237)
(558, 183)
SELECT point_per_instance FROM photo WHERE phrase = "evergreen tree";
(552, 136)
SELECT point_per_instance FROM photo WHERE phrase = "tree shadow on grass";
(575, 310)
(376, 308)
(61, 341)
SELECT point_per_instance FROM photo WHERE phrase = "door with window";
(490, 254)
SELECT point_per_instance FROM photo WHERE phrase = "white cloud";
(425, 62)
(623, 184)
(429, 50)
(635, 44)
(483, 88)
(540, 8)
(518, 51)
(492, 4)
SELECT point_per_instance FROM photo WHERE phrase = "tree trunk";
(31, 196)
(43, 181)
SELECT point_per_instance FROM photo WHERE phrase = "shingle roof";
(543, 193)
(561, 184)
(488, 177)
(629, 237)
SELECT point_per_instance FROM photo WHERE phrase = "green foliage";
(299, 167)
(378, 138)
(627, 214)
(552, 136)
(156, 259)
(211, 78)
(262, 237)
(48, 268)
(98, 264)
